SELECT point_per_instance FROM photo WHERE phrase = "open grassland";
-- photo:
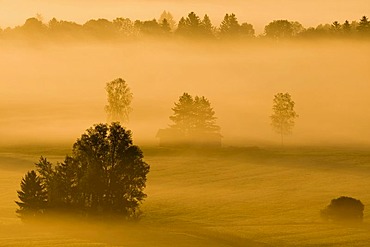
(222, 197)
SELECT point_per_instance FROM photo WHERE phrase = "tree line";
(190, 26)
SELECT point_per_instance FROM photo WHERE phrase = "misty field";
(250, 192)
(222, 197)
(55, 92)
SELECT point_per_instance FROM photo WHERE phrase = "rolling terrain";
(223, 197)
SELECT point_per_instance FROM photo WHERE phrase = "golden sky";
(256, 12)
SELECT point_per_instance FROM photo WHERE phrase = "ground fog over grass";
(223, 197)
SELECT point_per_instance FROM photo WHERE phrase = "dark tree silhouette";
(32, 196)
(169, 17)
(229, 26)
(64, 29)
(344, 209)
(100, 29)
(281, 29)
(183, 117)
(191, 26)
(247, 30)
(194, 115)
(119, 100)
(346, 27)
(282, 119)
(364, 26)
(106, 174)
(165, 26)
(151, 27)
(207, 27)
(33, 25)
(113, 173)
(194, 123)
(125, 27)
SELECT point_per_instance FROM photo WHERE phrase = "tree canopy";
(194, 115)
(32, 196)
(105, 174)
(119, 100)
(230, 28)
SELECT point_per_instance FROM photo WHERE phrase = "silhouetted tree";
(106, 174)
(64, 29)
(280, 29)
(33, 25)
(32, 196)
(229, 26)
(191, 26)
(297, 28)
(247, 30)
(151, 27)
(336, 27)
(31, 29)
(204, 116)
(101, 29)
(59, 181)
(323, 30)
(282, 119)
(182, 28)
(46, 175)
(344, 209)
(113, 170)
(183, 116)
(346, 27)
(207, 27)
(125, 27)
(119, 100)
(364, 26)
(165, 26)
(168, 16)
(194, 115)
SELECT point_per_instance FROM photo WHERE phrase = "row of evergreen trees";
(191, 26)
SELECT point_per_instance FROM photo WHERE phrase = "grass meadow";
(231, 196)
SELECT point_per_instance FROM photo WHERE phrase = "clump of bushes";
(344, 209)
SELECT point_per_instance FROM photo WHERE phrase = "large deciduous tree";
(282, 119)
(281, 29)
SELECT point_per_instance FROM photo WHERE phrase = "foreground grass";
(220, 197)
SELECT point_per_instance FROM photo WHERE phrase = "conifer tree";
(32, 196)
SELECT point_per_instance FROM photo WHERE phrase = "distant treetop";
(190, 26)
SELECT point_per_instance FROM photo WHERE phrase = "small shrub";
(344, 209)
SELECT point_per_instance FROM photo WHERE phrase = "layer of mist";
(54, 93)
